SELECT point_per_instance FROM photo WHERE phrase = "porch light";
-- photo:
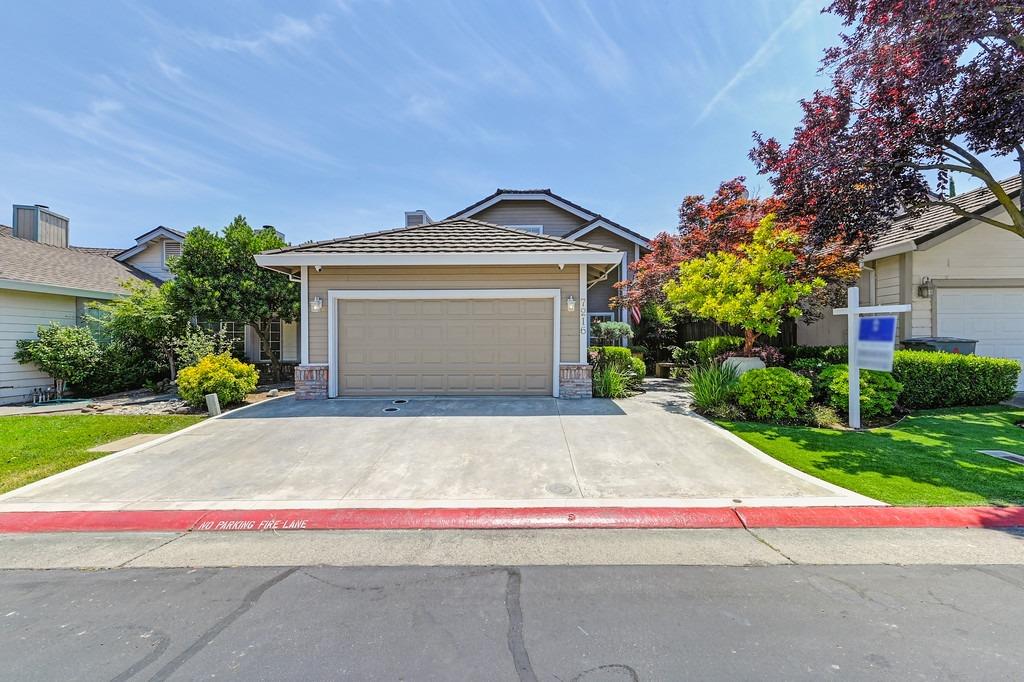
(316, 305)
(570, 303)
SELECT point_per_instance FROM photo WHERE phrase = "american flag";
(635, 312)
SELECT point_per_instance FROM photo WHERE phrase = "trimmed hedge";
(879, 391)
(834, 355)
(617, 357)
(774, 394)
(934, 379)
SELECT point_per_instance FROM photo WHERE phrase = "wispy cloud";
(603, 57)
(286, 31)
(797, 18)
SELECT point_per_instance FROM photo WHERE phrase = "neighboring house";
(150, 255)
(543, 212)
(962, 277)
(459, 306)
(43, 279)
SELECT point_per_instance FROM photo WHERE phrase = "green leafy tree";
(753, 287)
(144, 318)
(216, 278)
(68, 354)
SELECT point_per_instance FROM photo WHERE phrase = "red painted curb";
(98, 521)
(881, 517)
(510, 518)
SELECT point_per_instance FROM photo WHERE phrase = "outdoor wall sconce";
(924, 290)
(316, 305)
(570, 303)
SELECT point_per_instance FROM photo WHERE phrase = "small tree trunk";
(263, 332)
(749, 337)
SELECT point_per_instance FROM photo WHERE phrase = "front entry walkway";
(439, 452)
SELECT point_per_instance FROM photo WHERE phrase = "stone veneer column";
(310, 382)
(575, 381)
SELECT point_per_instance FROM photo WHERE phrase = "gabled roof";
(460, 241)
(593, 219)
(76, 271)
(936, 220)
(611, 226)
(142, 241)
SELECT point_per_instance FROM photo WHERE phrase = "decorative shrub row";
(833, 355)
(879, 391)
(932, 379)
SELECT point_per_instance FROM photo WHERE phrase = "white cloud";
(797, 18)
(286, 31)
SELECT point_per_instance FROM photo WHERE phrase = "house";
(961, 276)
(460, 306)
(43, 279)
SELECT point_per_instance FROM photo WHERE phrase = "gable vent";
(171, 250)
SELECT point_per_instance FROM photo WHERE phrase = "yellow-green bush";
(222, 374)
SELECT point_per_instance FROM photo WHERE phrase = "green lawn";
(927, 459)
(35, 447)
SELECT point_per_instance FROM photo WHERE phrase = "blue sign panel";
(881, 329)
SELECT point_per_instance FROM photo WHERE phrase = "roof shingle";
(446, 236)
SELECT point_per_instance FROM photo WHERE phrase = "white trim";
(623, 269)
(893, 250)
(584, 320)
(296, 258)
(573, 236)
(524, 197)
(163, 251)
(636, 252)
(304, 315)
(335, 295)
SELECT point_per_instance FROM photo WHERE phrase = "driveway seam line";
(568, 449)
(769, 545)
(178, 536)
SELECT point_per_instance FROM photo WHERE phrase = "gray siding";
(599, 294)
(556, 222)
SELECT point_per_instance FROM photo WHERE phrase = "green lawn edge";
(37, 446)
(930, 458)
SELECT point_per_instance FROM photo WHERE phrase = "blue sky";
(334, 117)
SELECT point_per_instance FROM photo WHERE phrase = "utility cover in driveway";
(434, 347)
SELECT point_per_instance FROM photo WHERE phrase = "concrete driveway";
(647, 450)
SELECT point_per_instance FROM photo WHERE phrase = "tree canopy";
(917, 87)
(217, 279)
(753, 286)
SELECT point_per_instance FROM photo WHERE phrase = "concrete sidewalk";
(727, 547)
(651, 450)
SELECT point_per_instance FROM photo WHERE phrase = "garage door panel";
(993, 316)
(471, 346)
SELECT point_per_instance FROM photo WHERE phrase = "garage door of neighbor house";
(426, 347)
(995, 317)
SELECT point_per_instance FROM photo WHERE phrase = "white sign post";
(870, 342)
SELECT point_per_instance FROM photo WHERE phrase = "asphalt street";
(591, 623)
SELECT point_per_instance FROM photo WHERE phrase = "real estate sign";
(876, 341)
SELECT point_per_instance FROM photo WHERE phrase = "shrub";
(607, 333)
(808, 367)
(710, 348)
(879, 391)
(774, 394)
(609, 383)
(833, 355)
(824, 416)
(616, 357)
(229, 378)
(712, 385)
(120, 367)
(68, 354)
(770, 355)
(195, 343)
(933, 379)
(637, 373)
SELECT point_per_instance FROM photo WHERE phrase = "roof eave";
(489, 201)
(891, 250)
(614, 228)
(293, 259)
(43, 288)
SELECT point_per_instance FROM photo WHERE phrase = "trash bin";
(947, 344)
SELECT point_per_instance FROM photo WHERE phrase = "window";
(593, 318)
(234, 331)
(536, 229)
(171, 250)
(274, 340)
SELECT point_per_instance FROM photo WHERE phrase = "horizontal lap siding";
(556, 222)
(21, 313)
(446, 277)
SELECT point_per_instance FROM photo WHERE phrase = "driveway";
(649, 450)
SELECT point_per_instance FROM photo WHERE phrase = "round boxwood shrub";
(774, 394)
(222, 374)
(879, 391)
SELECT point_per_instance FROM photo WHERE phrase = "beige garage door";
(425, 347)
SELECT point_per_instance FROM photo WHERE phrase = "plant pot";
(743, 365)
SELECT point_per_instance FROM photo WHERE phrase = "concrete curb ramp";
(510, 519)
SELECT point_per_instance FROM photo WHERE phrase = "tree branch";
(959, 210)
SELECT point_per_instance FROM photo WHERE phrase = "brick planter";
(310, 382)
(575, 381)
